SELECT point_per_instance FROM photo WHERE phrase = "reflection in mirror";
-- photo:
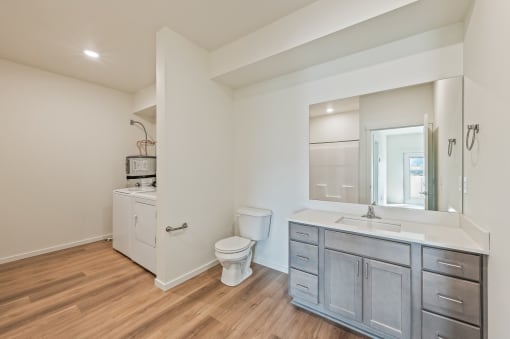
(393, 148)
(398, 167)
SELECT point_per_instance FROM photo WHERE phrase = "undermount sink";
(370, 223)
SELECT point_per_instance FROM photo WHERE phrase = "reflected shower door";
(334, 171)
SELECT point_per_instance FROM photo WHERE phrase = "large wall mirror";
(401, 147)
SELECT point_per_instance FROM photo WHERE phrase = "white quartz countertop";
(449, 237)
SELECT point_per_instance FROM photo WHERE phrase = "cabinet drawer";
(304, 257)
(435, 326)
(452, 263)
(456, 298)
(384, 250)
(309, 234)
(304, 286)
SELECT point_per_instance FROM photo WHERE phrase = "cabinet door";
(145, 223)
(343, 284)
(387, 298)
(144, 237)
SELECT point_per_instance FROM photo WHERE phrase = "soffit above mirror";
(274, 50)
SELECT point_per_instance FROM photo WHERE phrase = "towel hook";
(451, 143)
(475, 128)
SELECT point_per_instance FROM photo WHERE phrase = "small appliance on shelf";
(140, 170)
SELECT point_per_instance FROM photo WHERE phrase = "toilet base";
(226, 277)
(235, 272)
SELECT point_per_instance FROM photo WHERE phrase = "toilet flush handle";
(171, 229)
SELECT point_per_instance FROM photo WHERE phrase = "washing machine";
(123, 217)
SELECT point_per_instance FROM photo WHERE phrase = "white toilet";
(235, 253)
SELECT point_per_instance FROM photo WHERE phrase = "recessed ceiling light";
(90, 53)
(329, 110)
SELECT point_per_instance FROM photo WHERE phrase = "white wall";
(271, 135)
(144, 109)
(144, 98)
(63, 144)
(487, 72)
(195, 144)
(397, 146)
(144, 106)
(401, 107)
(448, 124)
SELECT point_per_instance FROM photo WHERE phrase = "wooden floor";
(92, 291)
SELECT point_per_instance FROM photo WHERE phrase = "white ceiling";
(51, 34)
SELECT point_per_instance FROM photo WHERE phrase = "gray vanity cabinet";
(369, 291)
(387, 298)
(343, 285)
(361, 282)
(454, 294)
(387, 288)
(304, 263)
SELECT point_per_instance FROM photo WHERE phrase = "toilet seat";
(233, 257)
(233, 244)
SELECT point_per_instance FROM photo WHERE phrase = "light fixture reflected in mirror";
(92, 54)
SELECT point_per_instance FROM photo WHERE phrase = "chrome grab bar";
(171, 229)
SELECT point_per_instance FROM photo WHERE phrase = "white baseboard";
(268, 263)
(165, 286)
(53, 248)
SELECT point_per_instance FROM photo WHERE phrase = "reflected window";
(398, 167)
(414, 173)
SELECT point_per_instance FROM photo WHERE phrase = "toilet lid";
(232, 244)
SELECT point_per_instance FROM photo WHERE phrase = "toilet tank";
(254, 223)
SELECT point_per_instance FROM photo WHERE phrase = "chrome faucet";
(371, 213)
